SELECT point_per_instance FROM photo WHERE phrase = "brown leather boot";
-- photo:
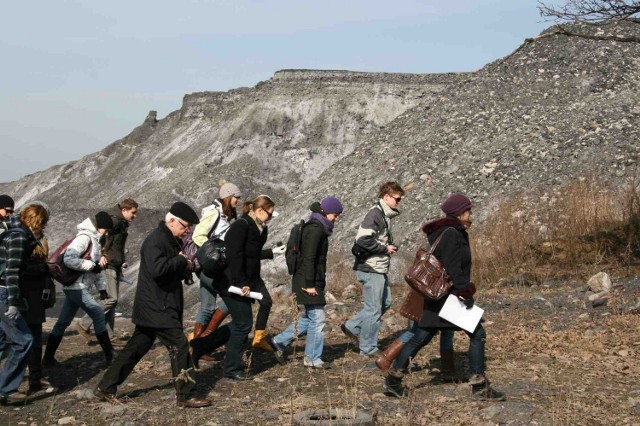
(390, 353)
(448, 365)
(217, 317)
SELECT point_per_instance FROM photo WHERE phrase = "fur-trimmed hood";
(431, 227)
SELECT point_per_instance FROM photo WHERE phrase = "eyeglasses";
(269, 213)
(182, 224)
(10, 211)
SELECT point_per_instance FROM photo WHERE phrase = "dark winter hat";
(331, 205)
(6, 201)
(103, 220)
(184, 212)
(456, 203)
(228, 189)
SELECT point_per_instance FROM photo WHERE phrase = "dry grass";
(581, 228)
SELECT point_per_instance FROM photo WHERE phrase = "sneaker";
(349, 334)
(393, 387)
(487, 393)
(278, 351)
(83, 331)
(16, 398)
(107, 397)
(38, 386)
(317, 364)
(118, 343)
(374, 354)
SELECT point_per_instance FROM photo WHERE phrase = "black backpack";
(292, 253)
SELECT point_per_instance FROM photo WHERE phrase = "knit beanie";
(228, 189)
(184, 212)
(6, 201)
(456, 203)
(103, 221)
(331, 205)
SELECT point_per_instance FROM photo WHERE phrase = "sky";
(78, 75)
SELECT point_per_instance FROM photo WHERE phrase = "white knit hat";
(228, 189)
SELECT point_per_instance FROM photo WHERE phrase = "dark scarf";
(327, 225)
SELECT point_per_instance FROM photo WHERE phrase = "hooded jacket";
(87, 237)
(159, 301)
(373, 235)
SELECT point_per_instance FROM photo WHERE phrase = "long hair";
(42, 249)
(228, 211)
(35, 217)
(260, 202)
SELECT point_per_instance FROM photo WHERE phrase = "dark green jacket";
(313, 264)
(113, 248)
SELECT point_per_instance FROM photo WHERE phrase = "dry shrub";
(340, 271)
(575, 230)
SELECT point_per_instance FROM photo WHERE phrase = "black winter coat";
(113, 248)
(159, 301)
(455, 254)
(313, 264)
(244, 248)
(35, 278)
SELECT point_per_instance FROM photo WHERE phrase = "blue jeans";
(73, 300)
(446, 337)
(17, 332)
(377, 299)
(422, 336)
(208, 295)
(311, 324)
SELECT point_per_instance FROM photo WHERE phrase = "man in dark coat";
(157, 309)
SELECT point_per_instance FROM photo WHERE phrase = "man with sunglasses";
(158, 310)
(6, 210)
(374, 247)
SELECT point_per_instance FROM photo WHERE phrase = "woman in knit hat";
(214, 223)
(309, 282)
(83, 254)
(454, 253)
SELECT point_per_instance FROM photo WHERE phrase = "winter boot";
(259, 341)
(482, 391)
(197, 331)
(53, 342)
(448, 366)
(107, 348)
(390, 353)
(393, 386)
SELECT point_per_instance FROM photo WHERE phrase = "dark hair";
(261, 201)
(35, 217)
(228, 211)
(128, 204)
(389, 188)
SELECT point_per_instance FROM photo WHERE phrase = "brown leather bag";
(412, 306)
(427, 275)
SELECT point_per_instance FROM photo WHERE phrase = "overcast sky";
(77, 75)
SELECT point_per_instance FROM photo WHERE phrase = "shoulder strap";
(437, 241)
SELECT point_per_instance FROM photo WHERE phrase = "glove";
(468, 302)
(104, 295)
(466, 292)
(12, 312)
(279, 250)
(96, 269)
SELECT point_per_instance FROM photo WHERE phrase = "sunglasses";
(183, 225)
(269, 213)
(398, 199)
(10, 211)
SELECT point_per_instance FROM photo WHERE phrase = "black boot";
(393, 386)
(107, 348)
(205, 345)
(483, 391)
(53, 342)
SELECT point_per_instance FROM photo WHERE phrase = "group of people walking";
(166, 262)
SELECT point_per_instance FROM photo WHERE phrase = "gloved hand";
(12, 312)
(103, 294)
(277, 250)
(466, 292)
(468, 302)
(96, 268)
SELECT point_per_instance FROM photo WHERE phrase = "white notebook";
(457, 313)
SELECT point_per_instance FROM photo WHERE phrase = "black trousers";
(140, 343)
(265, 306)
(35, 358)
(239, 328)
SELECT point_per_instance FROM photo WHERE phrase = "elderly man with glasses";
(158, 310)
(373, 249)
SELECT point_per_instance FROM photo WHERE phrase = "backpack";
(190, 248)
(3, 233)
(61, 272)
(294, 243)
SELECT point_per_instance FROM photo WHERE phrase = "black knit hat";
(6, 201)
(103, 221)
(184, 212)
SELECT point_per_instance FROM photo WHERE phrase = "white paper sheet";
(457, 313)
(252, 294)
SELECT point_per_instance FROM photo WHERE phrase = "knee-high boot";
(217, 317)
(52, 346)
(390, 353)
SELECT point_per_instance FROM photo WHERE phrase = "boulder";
(600, 282)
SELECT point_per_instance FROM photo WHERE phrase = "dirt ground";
(560, 361)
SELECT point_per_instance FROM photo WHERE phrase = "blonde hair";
(260, 202)
(35, 217)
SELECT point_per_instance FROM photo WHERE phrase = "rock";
(623, 353)
(84, 394)
(600, 282)
(70, 420)
(492, 411)
(350, 292)
(330, 297)
(113, 410)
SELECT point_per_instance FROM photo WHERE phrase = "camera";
(46, 293)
